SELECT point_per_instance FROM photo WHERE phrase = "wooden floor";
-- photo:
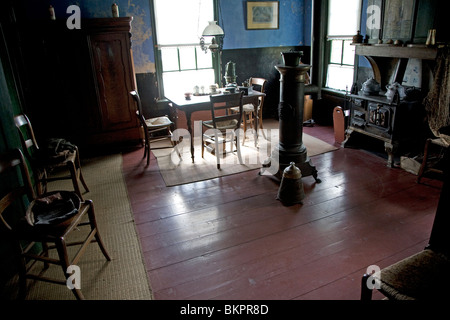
(229, 238)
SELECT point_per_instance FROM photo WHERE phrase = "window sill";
(334, 92)
(162, 101)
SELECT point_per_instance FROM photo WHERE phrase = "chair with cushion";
(224, 125)
(424, 275)
(152, 126)
(249, 116)
(63, 156)
(48, 219)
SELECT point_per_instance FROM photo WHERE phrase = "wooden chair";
(152, 126)
(249, 115)
(424, 275)
(223, 128)
(432, 159)
(43, 165)
(29, 228)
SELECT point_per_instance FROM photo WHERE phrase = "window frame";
(327, 48)
(158, 58)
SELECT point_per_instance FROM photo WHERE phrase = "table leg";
(188, 122)
(255, 108)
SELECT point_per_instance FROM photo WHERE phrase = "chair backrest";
(139, 113)
(26, 133)
(258, 82)
(224, 102)
(9, 161)
(261, 82)
(137, 98)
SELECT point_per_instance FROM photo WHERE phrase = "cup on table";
(213, 88)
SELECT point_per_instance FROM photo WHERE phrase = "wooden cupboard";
(75, 83)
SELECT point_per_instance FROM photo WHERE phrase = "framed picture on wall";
(262, 15)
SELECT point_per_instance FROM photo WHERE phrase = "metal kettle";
(291, 188)
(370, 87)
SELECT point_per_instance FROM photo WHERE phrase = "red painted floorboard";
(230, 238)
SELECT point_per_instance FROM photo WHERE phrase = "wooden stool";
(430, 162)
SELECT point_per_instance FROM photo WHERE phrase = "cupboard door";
(114, 80)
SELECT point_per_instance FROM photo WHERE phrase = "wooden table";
(202, 102)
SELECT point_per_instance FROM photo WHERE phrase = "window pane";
(339, 77)
(177, 83)
(187, 58)
(343, 17)
(204, 60)
(181, 21)
(349, 53)
(169, 57)
(336, 51)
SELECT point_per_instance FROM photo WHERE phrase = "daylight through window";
(179, 25)
(343, 22)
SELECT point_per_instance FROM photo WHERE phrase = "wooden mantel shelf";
(397, 52)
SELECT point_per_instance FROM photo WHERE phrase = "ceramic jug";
(391, 89)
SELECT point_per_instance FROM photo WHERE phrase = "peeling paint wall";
(294, 24)
(142, 43)
(294, 30)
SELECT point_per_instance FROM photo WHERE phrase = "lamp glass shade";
(213, 29)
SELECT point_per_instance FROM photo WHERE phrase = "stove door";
(379, 115)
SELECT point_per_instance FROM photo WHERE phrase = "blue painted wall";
(294, 26)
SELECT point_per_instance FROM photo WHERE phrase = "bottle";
(115, 10)
(358, 38)
(51, 10)
(431, 39)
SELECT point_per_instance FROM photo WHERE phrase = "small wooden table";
(202, 102)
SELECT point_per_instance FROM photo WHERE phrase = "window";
(181, 62)
(343, 22)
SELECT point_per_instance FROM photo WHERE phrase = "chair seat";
(57, 161)
(440, 142)
(221, 125)
(158, 122)
(50, 232)
(421, 276)
(246, 108)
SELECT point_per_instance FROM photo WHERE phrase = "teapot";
(413, 94)
(370, 87)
